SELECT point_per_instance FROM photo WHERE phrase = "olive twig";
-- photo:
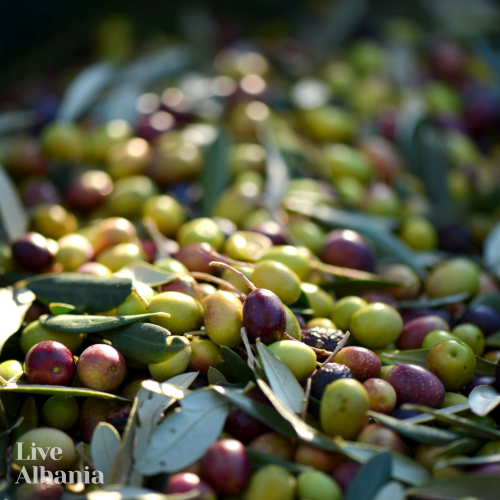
(252, 360)
(342, 343)
(321, 352)
(141, 297)
(307, 395)
(159, 240)
(218, 281)
(234, 271)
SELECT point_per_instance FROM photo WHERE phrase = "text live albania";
(40, 475)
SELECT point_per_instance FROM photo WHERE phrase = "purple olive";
(347, 248)
(32, 251)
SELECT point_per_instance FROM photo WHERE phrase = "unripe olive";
(204, 354)
(120, 255)
(53, 221)
(246, 246)
(316, 485)
(63, 141)
(223, 318)
(202, 230)
(73, 251)
(60, 412)
(236, 280)
(166, 212)
(170, 265)
(278, 278)
(297, 259)
(35, 333)
(452, 277)
(309, 234)
(133, 304)
(344, 309)
(343, 408)
(111, 232)
(130, 194)
(271, 482)
(186, 313)
(300, 358)
(176, 362)
(292, 325)
(319, 300)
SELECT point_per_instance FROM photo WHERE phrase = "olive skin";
(223, 314)
(31, 251)
(300, 358)
(271, 482)
(363, 363)
(415, 384)
(382, 395)
(264, 316)
(415, 331)
(279, 279)
(452, 277)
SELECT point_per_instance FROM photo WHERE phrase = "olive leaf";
(486, 299)
(281, 379)
(215, 175)
(12, 214)
(146, 273)
(385, 241)
(403, 468)
(184, 436)
(58, 390)
(491, 253)
(29, 413)
(84, 89)
(104, 448)
(479, 430)
(458, 447)
(483, 399)
(13, 306)
(84, 291)
(57, 308)
(419, 433)
(370, 478)
(15, 120)
(259, 459)
(493, 340)
(355, 286)
(432, 303)
(214, 376)
(390, 491)
(260, 411)
(468, 461)
(480, 487)
(236, 369)
(183, 380)
(71, 323)
(425, 418)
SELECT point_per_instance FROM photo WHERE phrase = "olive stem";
(158, 238)
(234, 271)
(252, 360)
(250, 385)
(223, 258)
(218, 281)
(321, 352)
(141, 297)
(345, 272)
(307, 395)
(340, 346)
(195, 333)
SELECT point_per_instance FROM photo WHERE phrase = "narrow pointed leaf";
(282, 381)
(437, 302)
(57, 308)
(58, 390)
(146, 273)
(494, 458)
(236, 369)
(215, 376)
(104, 448)
(483, 399)
(185, 435)
(427, 417)
(419, 433)
(183, 380)
(493, 340)
(71, 323)
(458, 447)
(84, 291)
(355, 286)
(370, 478)
(12, 214)
(84, 90)
(390, 491)
(486, 299)
(16, 120)
(259, 459)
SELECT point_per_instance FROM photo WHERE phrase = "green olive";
(297, 259)
(319, 300)
(279, 279)
(202, 230)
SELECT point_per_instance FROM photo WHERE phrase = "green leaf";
(404, 469)
(104, 448)
(425, 418)
(468, 461)
(476, 428)
(419, 433)
(71, 323)
(260, 411)
(59, 390)
(260, 459)
(486, 299)
(56, 308)
(281, 379)
(237, 371)
(144, 342)
(432, 303)
(12, 214)
(384, 240)
(16, 120)
(483, 399)
(370, 478)
(355, 286)
(480, 487)
(215, 175)
(184, 436)
(13, 306)
(215, 376)
(84, 291)
(146, 273)
(484, 368)
(183, 380)
(491, 250)
(458, 447)
(493, 340)
(391, 491)
(30, 418)
(84, 89)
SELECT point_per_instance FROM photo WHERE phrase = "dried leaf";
(104, 448)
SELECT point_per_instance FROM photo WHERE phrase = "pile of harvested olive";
(275, 278)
